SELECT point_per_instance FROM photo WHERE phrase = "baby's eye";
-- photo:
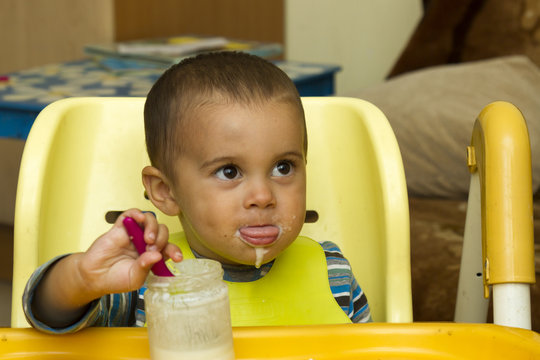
(283, 168)
(228, 172)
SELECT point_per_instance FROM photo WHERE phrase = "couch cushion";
(432, 112)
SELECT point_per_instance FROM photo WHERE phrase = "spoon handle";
(136, 234)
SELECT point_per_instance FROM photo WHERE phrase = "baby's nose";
(259, 194)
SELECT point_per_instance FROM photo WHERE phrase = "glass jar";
(188, 315)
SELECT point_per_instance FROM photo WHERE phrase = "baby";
(226, 136)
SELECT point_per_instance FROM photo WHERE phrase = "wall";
(365, 37)
(36, 32)
(260, 20)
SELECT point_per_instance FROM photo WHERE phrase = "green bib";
(296, 290)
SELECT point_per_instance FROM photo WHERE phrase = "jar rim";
(189, 270)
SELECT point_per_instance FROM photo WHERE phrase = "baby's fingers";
(169, 250)
(136, 214)
(153, 230)
(161, 237)
(141, 267)
(173, 252)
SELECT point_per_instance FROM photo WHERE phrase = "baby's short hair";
(230, 77)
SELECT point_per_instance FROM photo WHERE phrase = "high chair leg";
(512, 305)
(471, 305)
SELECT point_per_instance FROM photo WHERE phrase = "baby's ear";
(159, 191)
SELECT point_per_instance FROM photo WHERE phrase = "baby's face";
(241, 181)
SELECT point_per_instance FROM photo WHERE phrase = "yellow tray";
(369, 341)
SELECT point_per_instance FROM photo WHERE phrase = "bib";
(295, 291)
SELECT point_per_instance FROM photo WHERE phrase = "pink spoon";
(136, 235)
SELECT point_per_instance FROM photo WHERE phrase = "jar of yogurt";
(188, 315)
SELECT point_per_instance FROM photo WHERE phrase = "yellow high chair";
(82, 165)
(498, 244)
(75, 171)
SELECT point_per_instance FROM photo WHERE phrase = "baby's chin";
(248, 254)
(255, 256)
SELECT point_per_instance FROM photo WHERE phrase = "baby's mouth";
(259, 235)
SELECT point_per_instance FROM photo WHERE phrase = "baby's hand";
(112, 264)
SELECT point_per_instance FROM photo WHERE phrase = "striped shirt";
(127, 309)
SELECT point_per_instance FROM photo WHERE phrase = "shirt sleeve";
(111, 310)
(346, 290)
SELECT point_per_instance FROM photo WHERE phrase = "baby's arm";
(110, 265)
(344, 286)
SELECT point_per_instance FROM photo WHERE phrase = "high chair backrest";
(82, 165)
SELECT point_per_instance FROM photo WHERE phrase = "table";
(25, 93)
(329, 342)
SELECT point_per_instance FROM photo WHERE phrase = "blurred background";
(363, 37)
(429, 65)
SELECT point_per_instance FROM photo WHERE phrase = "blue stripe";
(113, 311)
(337, 259)
(362, 309)
(340, 288)
(338, 277)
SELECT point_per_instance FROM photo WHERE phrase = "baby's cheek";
(292, 224)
